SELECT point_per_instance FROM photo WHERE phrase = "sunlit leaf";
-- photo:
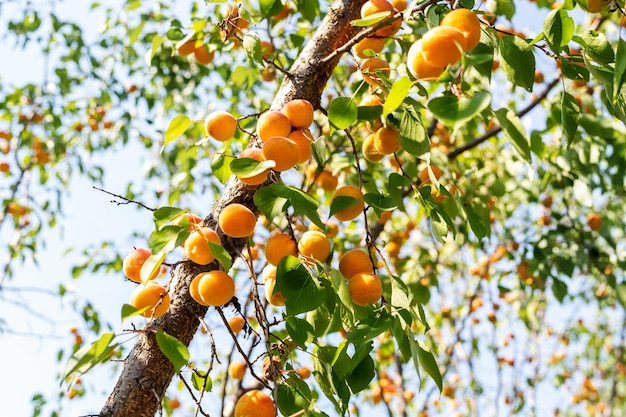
(173, 349)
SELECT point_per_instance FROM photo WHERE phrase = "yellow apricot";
(237, 220)
(327, 181)
(202, 55)
(387, 140)
(197, 245)
(424, 175)
(213, 288)
(283, 151)
(272, 123)
(400, 5)
(134, 261)
(371, 7)
(237, 370)
(152, 295)
(220, 125)
(376, 45)
(370, 65)
(303, 139)
(352, 211)
(369, 149)
(279, 246)
(314, 244)
(254, 153)
(186, 48)
(442, 46)
(466, 21)
(594, 221)
(371, 100)
(299, 112)
(353, 262)
(275, 299)
(236, 324)
(255, 403)
(365, 288)
(417, 65)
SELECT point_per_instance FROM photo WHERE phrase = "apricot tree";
(416, 200)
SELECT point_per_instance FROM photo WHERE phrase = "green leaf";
(289, 400)
(248, 167)
(173, 349)
(369, 113)
(559, 289)
(130, 311)
(165, 215)
(413, 135)
(620, 71)
(342, 202)
(342, 112)
(518, 61)
(89, 356)
(201, 381)
(308, 8)
(428, 362)
(151, 266)
(157, 41)
(167, 239)
(221, 254)
(596, 46)
(252, 46)
(269, 203)
(300, 330)
(570, 116)
(559, 29)
(371, 19)
(270, 7)
(361, 375)
(620, 291)
(453, 110)
(398, 93)
(220, 168)
(177, 127)
(302, 293)
(380, 202)
(476, 223)
(514, 131)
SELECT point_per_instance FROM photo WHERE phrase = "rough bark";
(147, 372)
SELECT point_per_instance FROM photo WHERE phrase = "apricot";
(314, 245)
(387, 140)
(269, 278)
(442, 46)
(134, 261)
(299, 112)
(202, 55)
(220, 125)
(255, 403)
(197, 247)
(213, 288)
(371, 100)
(267, 49)
(369, 149)
(594, 221)
(370, 65)
(237, 370)
(283, 151)
(376, 45)
(279, 246)
(466, 21)
(417, 65)
(303, 139)
(327, 181)
(284, 12)
(365, 288)
(400, 5)
(371, 7)
(152, 295)
(236, 324)
(353, 262)
(237, 220)
(424, 175)
(352, 211)
(254, 153)
(304, 372)
(273, 123)
(187, 48)
(596, 6)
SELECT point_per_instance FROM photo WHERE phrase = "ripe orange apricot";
(371, 100)
(237, 220)
(273, 123)
(237, 370)
(134, 261)
(236, 323)
(376, 45)
(152, 295)
(327, 181)
(594, 221)
(254, 153)
(304, 372)
(255, 403)
(352, 211)
(369, 149)
(442, 46)
(214, 288)
(267, 49)
(314, 244)
(365, 288)
(370, 65)
(424, 176)
(279, 246)
(400, 5)
(269, 278)
(197, 245)
(387, 140)
(466, 21)
(353, 262)
(299, 112)
(377, 6)
(417, 65)
(188, 218)
(303, 139)
(202, 55)
(220, 125)
(284, 151)
(187, 48)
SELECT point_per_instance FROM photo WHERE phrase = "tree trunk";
(147, 372)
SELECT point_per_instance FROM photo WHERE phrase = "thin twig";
(126, 200)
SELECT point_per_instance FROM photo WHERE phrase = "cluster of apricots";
(443, 45)
(199, 50)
